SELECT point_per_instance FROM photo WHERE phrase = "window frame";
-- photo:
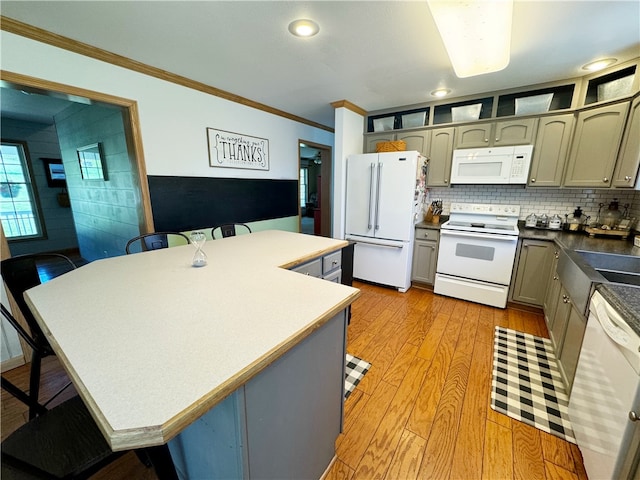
(304, 180)
(32, 188)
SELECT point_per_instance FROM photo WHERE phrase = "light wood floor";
(422, 411)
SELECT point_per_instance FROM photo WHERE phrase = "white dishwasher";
(605, 405)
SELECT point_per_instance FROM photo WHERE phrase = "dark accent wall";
(187, 203)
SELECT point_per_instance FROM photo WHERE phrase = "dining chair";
(229, 230)
(19, 274)
(64, 441)
(154, 241)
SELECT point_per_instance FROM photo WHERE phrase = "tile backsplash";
(539, 200)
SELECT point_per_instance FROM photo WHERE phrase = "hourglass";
(198, 239)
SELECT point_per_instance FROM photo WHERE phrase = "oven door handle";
(483, 236)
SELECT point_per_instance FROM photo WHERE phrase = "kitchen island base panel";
(282, 424)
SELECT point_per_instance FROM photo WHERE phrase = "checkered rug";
(354, 372)
(527, 385)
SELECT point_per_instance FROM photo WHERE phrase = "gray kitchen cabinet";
(534, 261)
(440, 155)
(425, 255)
(566, 332)
(568, 360)
(550, 150)
(595, 146)
(417, 140)
(328, 267)
(552, 293)
(628, 162)
(560, 320)
(371, 141)
(497, 134)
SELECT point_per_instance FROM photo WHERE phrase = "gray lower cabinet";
(532, 268)
(283, 423)
(425, 255)
(566, 333)
(553, 289)
(574, 334)
(328, 267)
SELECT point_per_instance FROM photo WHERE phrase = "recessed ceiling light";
(441, 92)
(304, 28)
(599, 64)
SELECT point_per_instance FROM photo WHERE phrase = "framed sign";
(236, 150)
(54, 171)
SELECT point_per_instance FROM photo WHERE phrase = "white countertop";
(152, 343)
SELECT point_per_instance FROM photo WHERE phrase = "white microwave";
(496, 165)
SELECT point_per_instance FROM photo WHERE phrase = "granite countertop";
(625, 300)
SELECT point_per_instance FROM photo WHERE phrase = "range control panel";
(486, 209)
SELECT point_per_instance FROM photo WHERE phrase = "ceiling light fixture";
(599, 64)
(476, 33)
(304, 28)
(441, 92)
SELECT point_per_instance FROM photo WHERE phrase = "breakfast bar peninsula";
(238, 365)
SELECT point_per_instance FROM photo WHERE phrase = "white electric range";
(476, 252)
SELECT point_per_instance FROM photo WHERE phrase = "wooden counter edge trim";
(95, 412)
(178, 423)
(317, 254)
(158, 435)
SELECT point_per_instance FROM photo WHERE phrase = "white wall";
(173, 119)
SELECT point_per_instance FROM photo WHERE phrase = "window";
(304, 185)
(18, 207)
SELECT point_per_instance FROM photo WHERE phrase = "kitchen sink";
(624, 269)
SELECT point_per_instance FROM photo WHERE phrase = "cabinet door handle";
(605, 179)
(633, 416)
(497, 139)
(486, 140)
(555, 277)
(533, 180)
(627, 178)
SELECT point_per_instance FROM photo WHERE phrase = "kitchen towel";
(526, 383)
(355, 370)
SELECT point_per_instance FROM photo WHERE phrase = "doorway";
(32, 100)
(315, 181)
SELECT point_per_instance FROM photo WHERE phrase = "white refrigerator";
(382, 205)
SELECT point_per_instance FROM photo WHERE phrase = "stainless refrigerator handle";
(372, 166)
(377, 222)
